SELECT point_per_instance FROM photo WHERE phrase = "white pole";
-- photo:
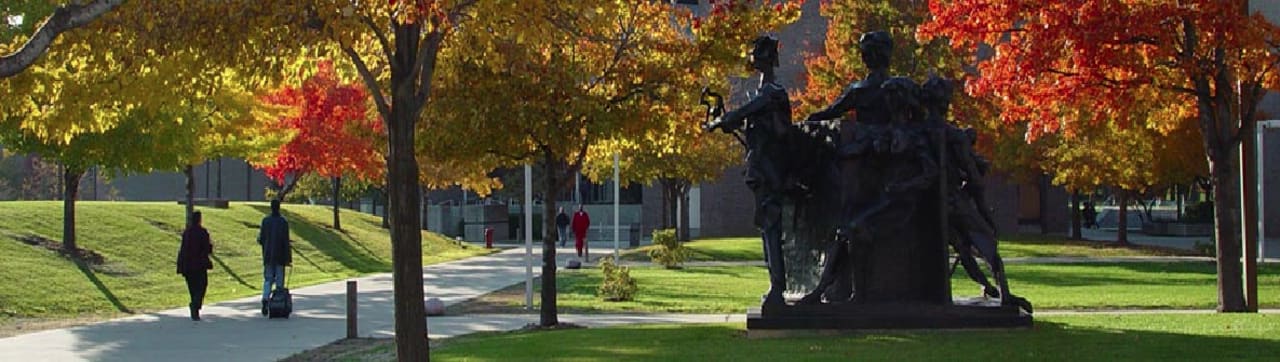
(1259, 132)
(1263, 126)
(616, 189)
(528, 237)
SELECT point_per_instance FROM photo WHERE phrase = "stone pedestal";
(833, 318)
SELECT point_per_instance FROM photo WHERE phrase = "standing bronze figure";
(766, 121)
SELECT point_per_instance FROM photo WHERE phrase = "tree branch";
(64, 18)
(370, 82)
(382, 37)
(424, 66)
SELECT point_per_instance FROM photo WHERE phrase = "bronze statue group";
(872, 194)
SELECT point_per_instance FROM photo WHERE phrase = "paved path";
(235, 331)
(1272, 247)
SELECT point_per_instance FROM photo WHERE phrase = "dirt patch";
(509, 300)
(357, 349)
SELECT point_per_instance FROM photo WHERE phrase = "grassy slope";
(1060, 338)
(732, 289)
(1015, 246)
(139, 242)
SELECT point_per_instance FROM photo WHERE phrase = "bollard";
(351, 310)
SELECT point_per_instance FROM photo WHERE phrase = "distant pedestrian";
(562, 224)
(193, 262)
(274, 238)
(1090, 215)
(581, 222)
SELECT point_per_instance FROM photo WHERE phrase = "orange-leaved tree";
(1072, 64)
(331, 128)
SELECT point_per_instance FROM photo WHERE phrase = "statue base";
(853, 317)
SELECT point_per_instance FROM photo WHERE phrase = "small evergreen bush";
(667, 250)
(617, 285)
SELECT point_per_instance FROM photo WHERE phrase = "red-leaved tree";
(1068, 65)
(334, 135)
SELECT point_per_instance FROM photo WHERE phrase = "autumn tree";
(60, 19)
(839, 63)
(1212, 56)
(541, 82)
(333, 134)
(676, 155)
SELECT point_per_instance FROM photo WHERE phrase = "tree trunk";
(682, 194)
(71, 187)
(191, 191)
(666, 202)
(1226, 218)
(406, 230)
(386, 209)
(1075, 216)
(1044, 203)
(248, 181)
(548, 315)
(337, 198)
(1218, 126)
(1122, 235)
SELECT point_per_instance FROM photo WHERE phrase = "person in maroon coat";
(193, 262)
(581, 221)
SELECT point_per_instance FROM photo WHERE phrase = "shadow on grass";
(307, 259)
(1149, 274)
(366, 249)
(336, 246)
(1046, 341)
(97, 283)
(229, 271)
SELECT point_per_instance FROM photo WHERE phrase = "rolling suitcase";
(280, 304)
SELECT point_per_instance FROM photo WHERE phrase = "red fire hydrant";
(488, 238)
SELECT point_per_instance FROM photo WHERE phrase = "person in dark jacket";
(193, 262)
(562, 225)
(274, 238)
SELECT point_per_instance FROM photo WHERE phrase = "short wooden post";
(351, 310)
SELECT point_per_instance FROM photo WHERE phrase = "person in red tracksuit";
(581, 221)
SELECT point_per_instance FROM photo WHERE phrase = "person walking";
(273, 235)
(562, 224)
(581, 221)
(193, 262)
(1090, 215)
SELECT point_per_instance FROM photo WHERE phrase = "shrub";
(667, 250)
(1207, 249)
(1201, 213)
(617, 285)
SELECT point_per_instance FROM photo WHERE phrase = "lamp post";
(528, 237)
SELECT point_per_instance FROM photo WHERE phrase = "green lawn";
(1015, 246)
(732, 289)
(718, 249)
(139, 242)
(1174, 337)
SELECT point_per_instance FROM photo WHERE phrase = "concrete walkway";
(235, 331)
